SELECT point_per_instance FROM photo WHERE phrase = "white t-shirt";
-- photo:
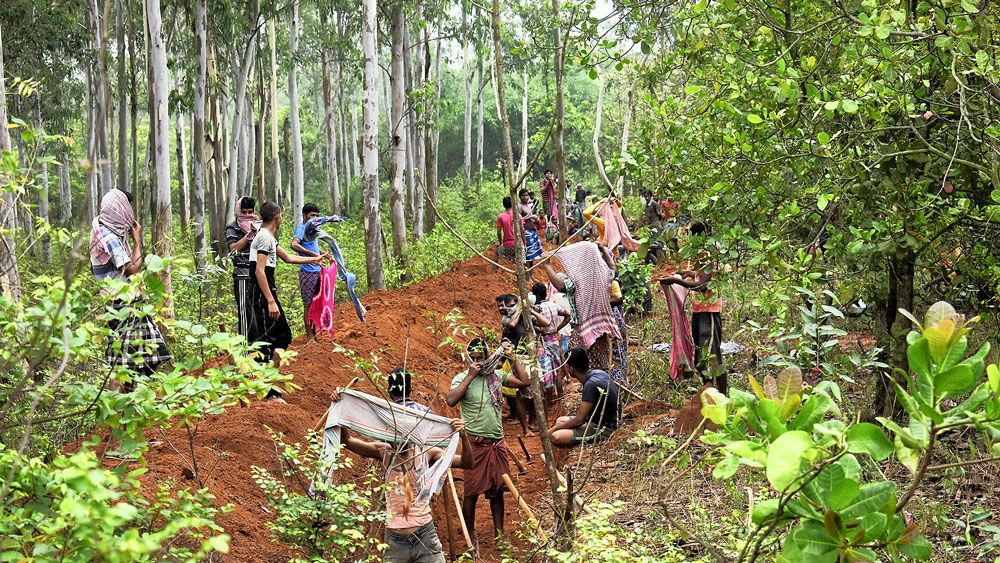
(264, 242)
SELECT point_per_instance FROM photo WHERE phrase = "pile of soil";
(687, 418)
(396, 331)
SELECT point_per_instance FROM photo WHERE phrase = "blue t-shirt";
(300, 233)
(603, 394)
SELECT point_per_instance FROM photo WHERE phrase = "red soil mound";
(396, 331)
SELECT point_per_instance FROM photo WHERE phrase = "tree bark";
(123, 179)
(434, 135)
(101, 99)
(333, 181)
(420, 133)
(479, 124)
(355, 162)
(298, 193)
(341, 114)
(407, 125)
(467, 75)
(43, 193)
(242, 65)
(522, 166)
(65, 193)
(373, 220)
(560, 156)
(397, 139)
(162, 231)
(275, 159)
(198, 134)
(522, 285)
(182, 172)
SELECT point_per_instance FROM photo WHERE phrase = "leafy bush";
(825, 506)
(325, 521)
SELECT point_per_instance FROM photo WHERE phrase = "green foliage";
(325, 521)
(825, 506)
(634, 273)
(72, 509)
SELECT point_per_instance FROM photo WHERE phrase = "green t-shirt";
(481, 419)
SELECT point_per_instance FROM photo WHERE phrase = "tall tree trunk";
(342, 114)
(435, 134)
(133, 106)
(332, 178)
(65, 191)
(101, 97)
(373, 219)
(242, 65)
(479, 126)
(182, 171)
(217, 197)
(198, 134)
(123, 180)
(519, 260)
(162, 231)
(355, 162)
(43, 194)
(246, 161)
(420, 132)
(522, 166)
(262, 116)
(560, 160)
(467, 75)
(298, 195)
(397, 139)
(275, 159)
(93, 190)
(407, 124)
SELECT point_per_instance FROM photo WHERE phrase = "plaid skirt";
(136, 344)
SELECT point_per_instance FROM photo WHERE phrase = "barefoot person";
(477, 390)
(270, 326)
(410, 534)
(599, 412)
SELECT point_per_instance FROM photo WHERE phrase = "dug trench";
(398, 330)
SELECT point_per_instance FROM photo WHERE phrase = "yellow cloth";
(616, 290)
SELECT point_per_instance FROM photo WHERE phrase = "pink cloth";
(245, 222)
(591, 277)
(506, 222)
(616, 231)
(116, 216)
(682, 348)
(321, 310)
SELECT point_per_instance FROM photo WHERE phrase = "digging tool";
(517, 462)
(630, 392)
(458, 505)
(527, 456)
(524, 506)
(322, 417)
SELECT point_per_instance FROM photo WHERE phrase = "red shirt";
(506, 222)
(670, 210)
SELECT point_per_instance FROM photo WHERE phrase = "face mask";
(532, 299)
(511, 310)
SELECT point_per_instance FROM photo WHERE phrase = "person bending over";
(599, 412)
(410, 534)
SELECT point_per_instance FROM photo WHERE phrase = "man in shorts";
(599, 412)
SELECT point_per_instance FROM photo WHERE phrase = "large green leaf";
(812, 412)
(714, 406)
(784, 458)
(813, 540)
(750, 453)
(726, 468)
(866, 438)
(871, 498)
(954, 382)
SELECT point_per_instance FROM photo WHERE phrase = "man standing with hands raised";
(477, 391)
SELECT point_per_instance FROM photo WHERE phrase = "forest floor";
(398, 330)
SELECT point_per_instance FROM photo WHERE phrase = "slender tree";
(198, 134)
(558, 57)
(467, 74)
(275, 159)
(298, 193)
(43, 184)
(160, 121)
(242, 65)
(182, 171)
(373, 220)
(123, 179)
(333, 180)
(397, 138)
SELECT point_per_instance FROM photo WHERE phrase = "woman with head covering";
(136, 343)
(239, 234)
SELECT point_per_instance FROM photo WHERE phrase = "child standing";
(269, 325)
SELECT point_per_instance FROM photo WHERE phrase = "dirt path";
(228, 445)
